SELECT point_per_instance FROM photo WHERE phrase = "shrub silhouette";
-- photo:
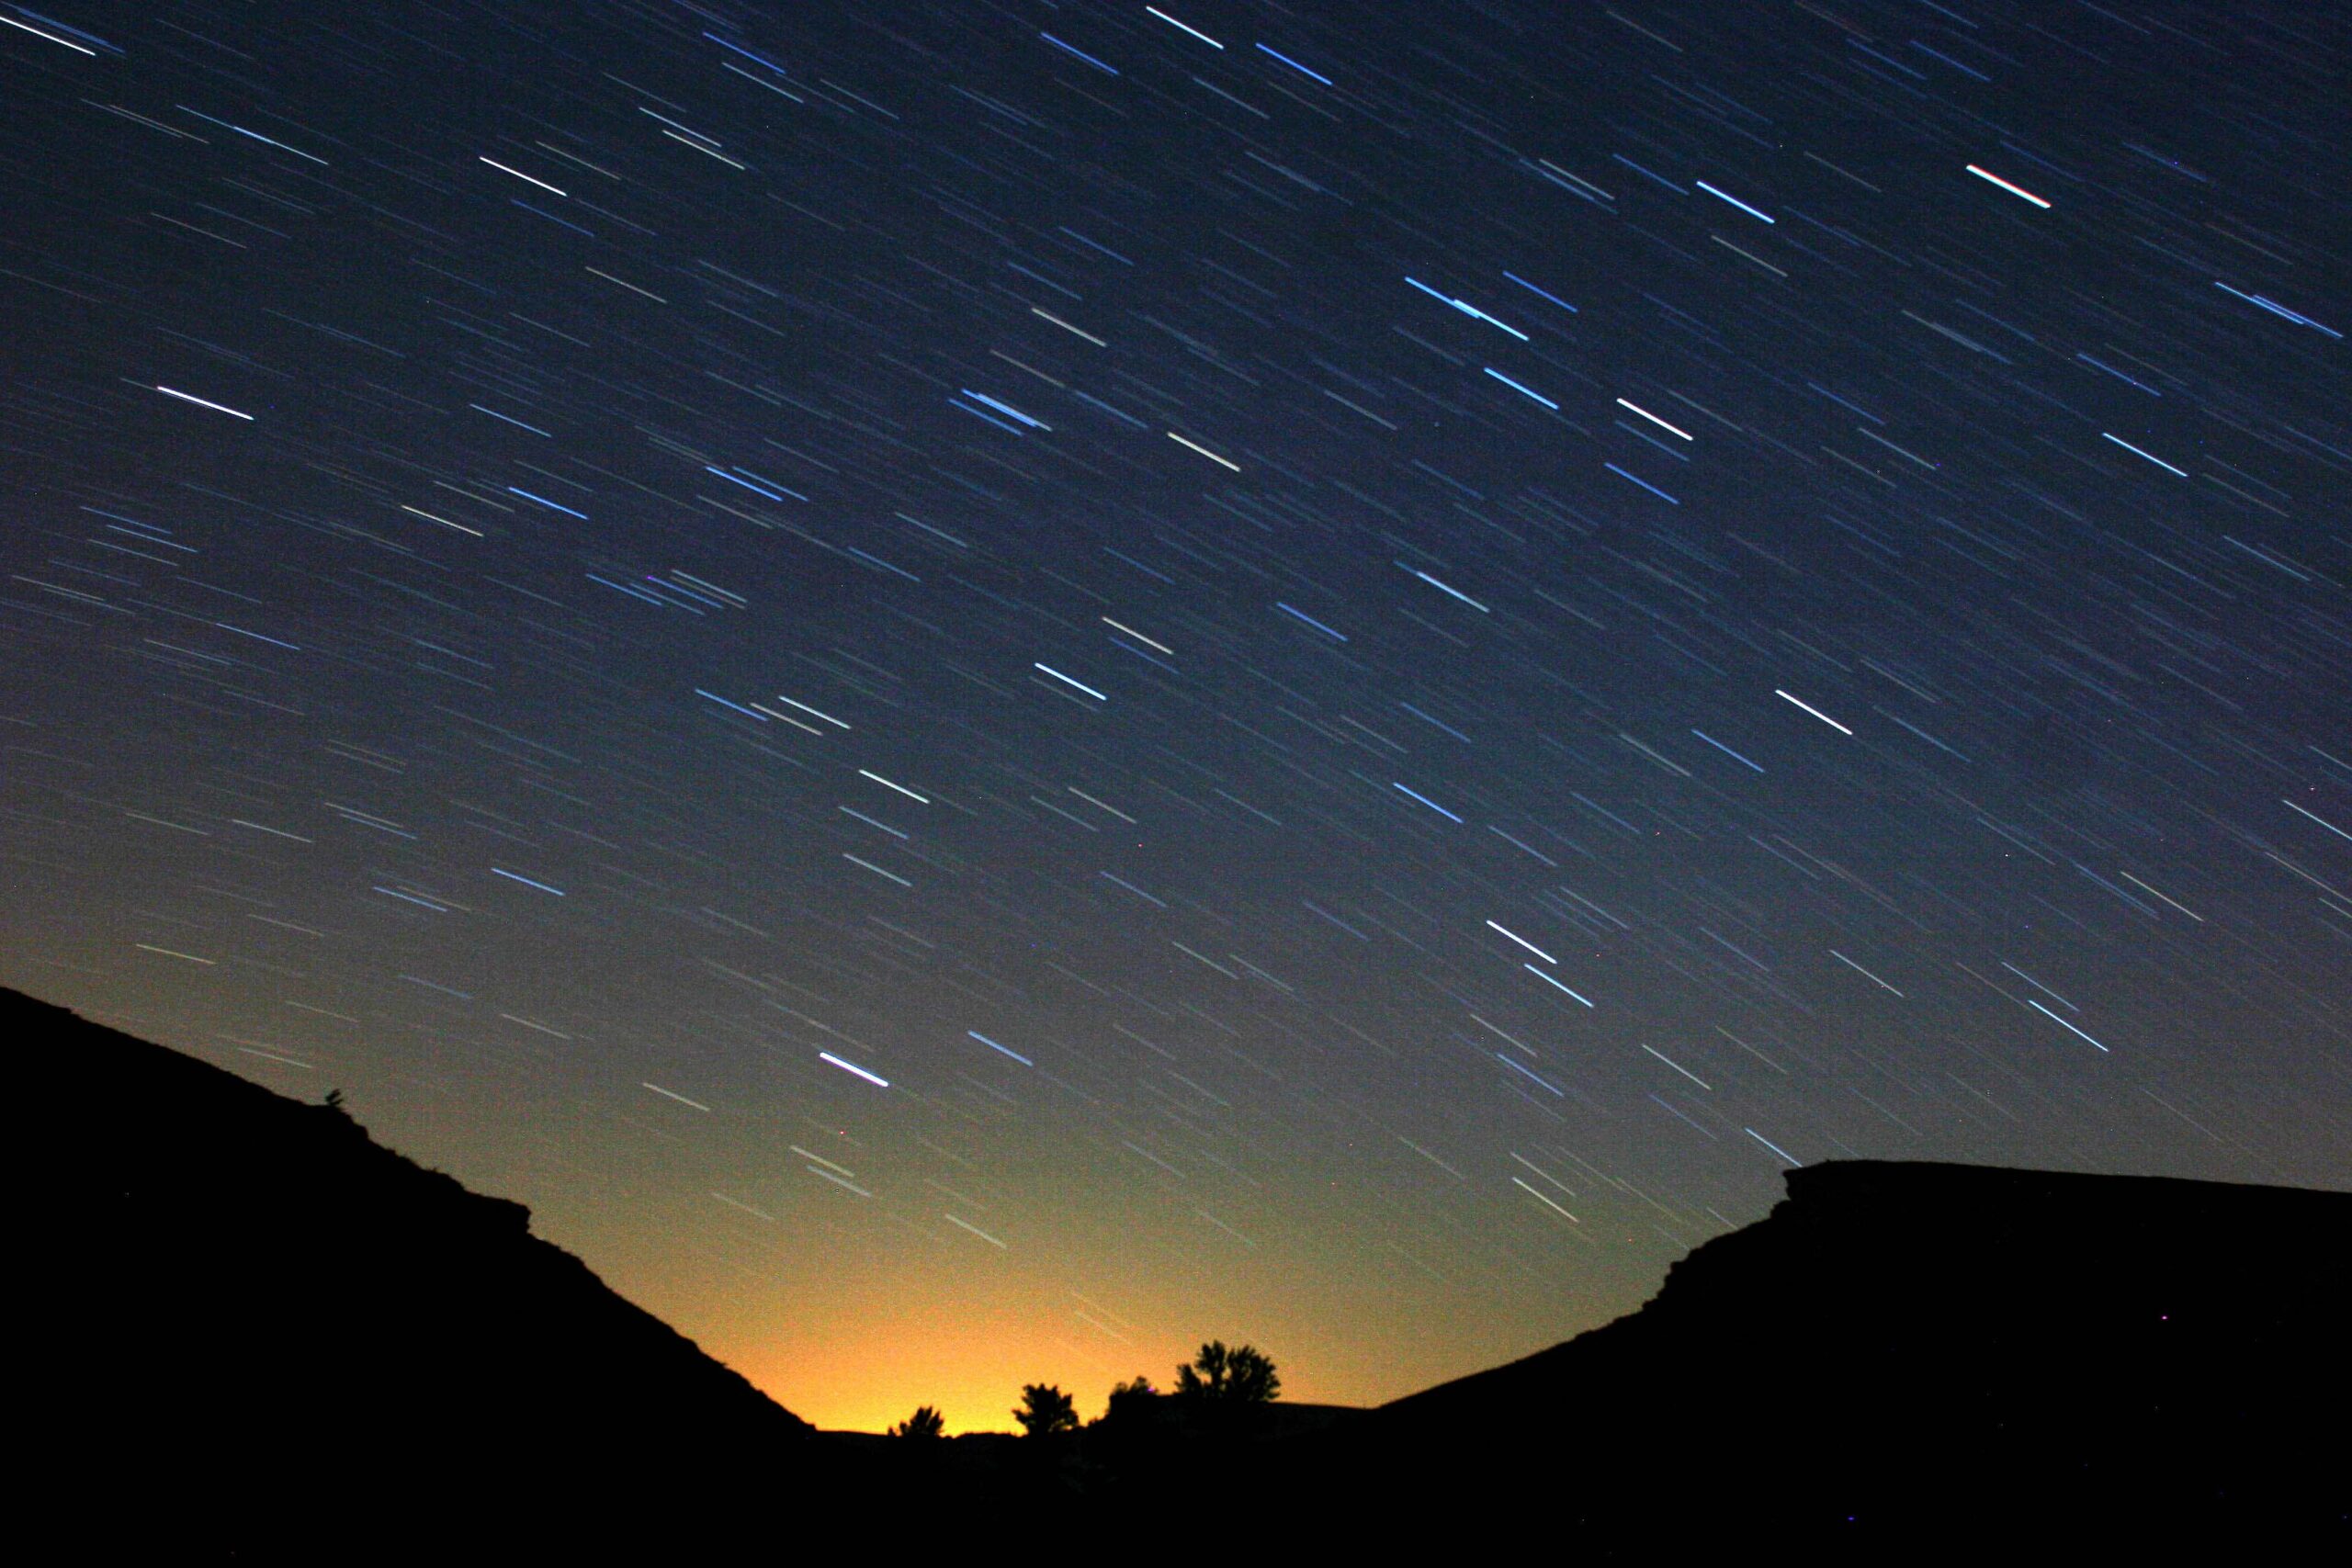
(925, 1422)
(1242, 1375)
(1046, 1410)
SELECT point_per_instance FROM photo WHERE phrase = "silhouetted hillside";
(254, 1334)
(1903, 1364)
(253, 1330)
(1908, 1356)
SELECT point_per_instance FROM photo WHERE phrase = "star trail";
(983, 689)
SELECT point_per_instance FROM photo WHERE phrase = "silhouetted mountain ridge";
(1917, 1355)
(259, 1321)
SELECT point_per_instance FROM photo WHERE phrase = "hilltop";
(257, 1333)
(1902, 1356)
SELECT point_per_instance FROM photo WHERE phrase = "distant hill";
(254, 1334)
(1904, 1359)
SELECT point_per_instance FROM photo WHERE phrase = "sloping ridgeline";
(256, 1336)
(1921, 1362)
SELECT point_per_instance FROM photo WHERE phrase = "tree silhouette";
(1130, 1402)
(1046, 1410)
(924, 1423)
(1242, 1375)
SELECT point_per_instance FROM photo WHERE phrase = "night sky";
(984, 689)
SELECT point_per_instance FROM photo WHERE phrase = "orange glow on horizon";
(974, 1394)
(902, 1317)
(868, 1375)
(869, 1381)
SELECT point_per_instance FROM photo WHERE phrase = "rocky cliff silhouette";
(260, 1336)
(1909, 1362)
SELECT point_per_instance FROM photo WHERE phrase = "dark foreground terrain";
(1915, 1358)
(256, 1336)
